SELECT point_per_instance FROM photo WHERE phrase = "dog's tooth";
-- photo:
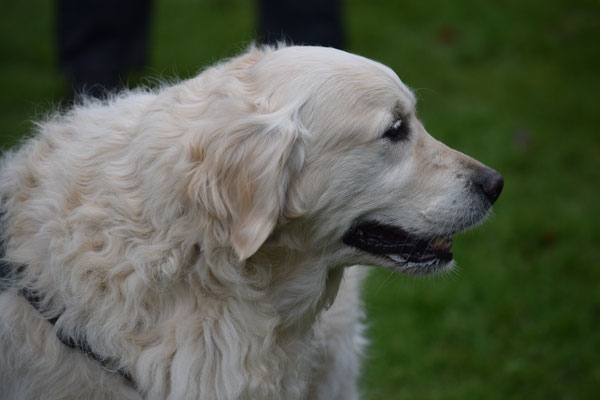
(397, 258)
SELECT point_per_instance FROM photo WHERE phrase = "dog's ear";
(241, 174)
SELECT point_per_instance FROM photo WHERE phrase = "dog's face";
(362, 179)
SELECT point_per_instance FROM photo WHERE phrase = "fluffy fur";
(193, 234)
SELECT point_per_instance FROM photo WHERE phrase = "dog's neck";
(301, 285)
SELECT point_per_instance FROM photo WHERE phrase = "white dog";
(194, 242)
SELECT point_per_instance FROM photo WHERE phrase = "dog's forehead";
(367, 77)
(387, 78)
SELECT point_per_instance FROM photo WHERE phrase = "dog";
(208, 239)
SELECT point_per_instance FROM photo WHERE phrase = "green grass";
(513, 83)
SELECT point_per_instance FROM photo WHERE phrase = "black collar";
(34, 299)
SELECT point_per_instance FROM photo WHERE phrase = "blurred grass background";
(515, 84)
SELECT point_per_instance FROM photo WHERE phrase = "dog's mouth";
(398, 245)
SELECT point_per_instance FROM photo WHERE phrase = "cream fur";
(192, 234)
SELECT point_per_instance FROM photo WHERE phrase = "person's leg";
(100, 41)
(307, 22)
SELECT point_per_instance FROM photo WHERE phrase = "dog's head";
(324, 149)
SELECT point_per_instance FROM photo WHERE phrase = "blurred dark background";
(512, 83)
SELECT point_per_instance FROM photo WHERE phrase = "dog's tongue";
(441, 243)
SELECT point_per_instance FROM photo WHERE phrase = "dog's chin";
(392, 247)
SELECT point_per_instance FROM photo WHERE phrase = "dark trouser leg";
(100, 41)
(308, 22)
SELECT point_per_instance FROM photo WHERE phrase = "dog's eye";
(397, 132)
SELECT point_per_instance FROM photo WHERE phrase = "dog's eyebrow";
(401, 109)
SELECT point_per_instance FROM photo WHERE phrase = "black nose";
(491, 183)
